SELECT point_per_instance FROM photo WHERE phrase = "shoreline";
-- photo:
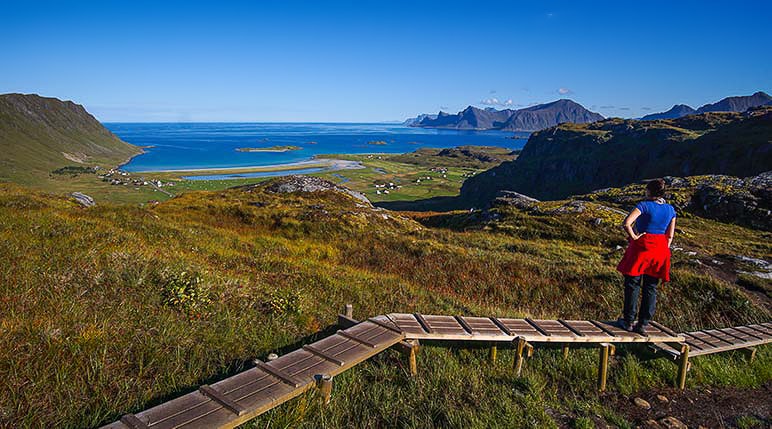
(330, 163)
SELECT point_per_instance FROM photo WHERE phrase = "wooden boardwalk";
(244, 396)
(463, 328)
(709, 341)
(235, 400)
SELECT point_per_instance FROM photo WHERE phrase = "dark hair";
(656, 188)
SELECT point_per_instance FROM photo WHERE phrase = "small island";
(377, 142)
(269, 149)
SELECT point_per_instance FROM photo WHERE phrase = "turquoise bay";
(188, 146)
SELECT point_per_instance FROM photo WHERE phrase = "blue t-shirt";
(654, 218)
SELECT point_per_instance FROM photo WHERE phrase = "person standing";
(650, 228)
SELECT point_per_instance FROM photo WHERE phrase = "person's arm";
(670, 232)
(627, 225)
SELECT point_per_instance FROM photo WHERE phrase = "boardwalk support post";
(410, 348)
(493, 352)
(324, 384)
(750, 353)
(606, 350)
(565, 351)
(683, 366)
(520, 347)
(346, 319)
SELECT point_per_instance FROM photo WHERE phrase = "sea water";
(188, 146)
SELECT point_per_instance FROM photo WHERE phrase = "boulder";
(672, 423)
(642, 403)
(83, 199)
(514, 199)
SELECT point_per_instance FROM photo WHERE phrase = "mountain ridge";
(527, 119)
(40, 134)
(579, 158)
(736, 103)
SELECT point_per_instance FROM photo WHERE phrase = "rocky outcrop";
(572, 159)
(514, 199)
(729, 199)
(291, 184)
(742, 201)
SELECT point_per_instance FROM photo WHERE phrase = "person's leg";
(632, 289)
(648, 301)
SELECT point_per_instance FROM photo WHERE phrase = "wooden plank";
(764, 331)
(521, 328)
(603, 328)
(255, 387)
(696, 342)
(223, 400)
(374, 334)
(281, 375)
(501, 326)
(534, 325)
(133, 422)
(721, 336)
(385, 325)
(322, 354)
(407, 323)
(176, 413)
(357, 339)
(663, 328)
(742, 335)
(752, 332)
(179, 409)
(571, 328)
(707, 339)
(424, 324)
(464, 325)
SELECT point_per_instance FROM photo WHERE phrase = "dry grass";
(98, 318)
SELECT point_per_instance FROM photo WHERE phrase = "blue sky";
(376, 61)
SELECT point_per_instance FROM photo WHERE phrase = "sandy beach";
(330, 164)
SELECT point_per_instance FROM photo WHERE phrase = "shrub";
(184, 291)
(284, 301)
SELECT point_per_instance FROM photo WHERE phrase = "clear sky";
(376, 61)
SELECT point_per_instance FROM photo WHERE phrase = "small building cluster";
(119, 177)
(385, 188)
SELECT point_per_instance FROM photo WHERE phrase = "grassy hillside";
(572, 159)
(39, 135)
(116, 308)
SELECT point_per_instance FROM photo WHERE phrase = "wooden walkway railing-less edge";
(244, 396)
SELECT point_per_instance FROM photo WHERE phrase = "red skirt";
(648, 255)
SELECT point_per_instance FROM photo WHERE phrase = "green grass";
(378, 169)
(98, 320)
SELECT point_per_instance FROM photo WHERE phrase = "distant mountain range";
(528, 119)
(729, 104)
